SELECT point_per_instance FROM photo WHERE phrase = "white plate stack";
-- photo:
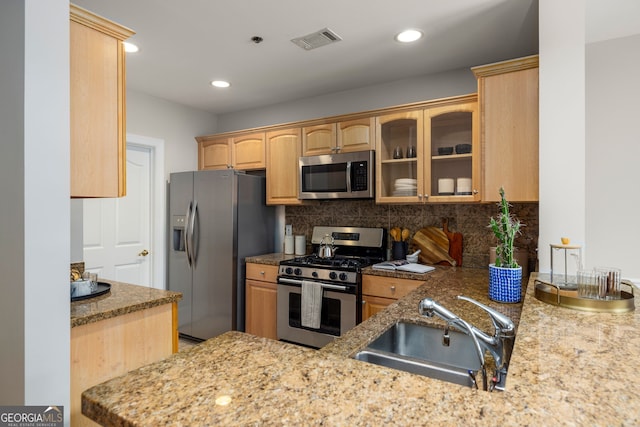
(405, 187)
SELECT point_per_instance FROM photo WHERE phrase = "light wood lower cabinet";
(108, 348)
(261, 300)
(378, 292)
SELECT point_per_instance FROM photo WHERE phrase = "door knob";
(144, 253)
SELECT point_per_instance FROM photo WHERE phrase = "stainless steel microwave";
(337, 176)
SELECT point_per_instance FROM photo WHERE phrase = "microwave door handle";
(349, 177)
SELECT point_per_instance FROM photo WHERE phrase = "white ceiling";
(187, 43)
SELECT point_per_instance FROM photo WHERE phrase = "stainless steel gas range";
(319, 296)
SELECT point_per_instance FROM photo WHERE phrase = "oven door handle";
(324, 285)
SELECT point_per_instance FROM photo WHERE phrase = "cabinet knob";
(475, 191)
(262, 273)
(393, 289)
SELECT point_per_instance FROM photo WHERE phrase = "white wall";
(173, 123)
(588, 140)
(613, 150)
(562, 126)
(34, 84)
(458, 82)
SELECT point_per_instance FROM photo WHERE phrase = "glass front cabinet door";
(429, 154)
(399, 157)
(452, 153)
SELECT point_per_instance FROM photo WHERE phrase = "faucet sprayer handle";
(428, 306)
(503, 325)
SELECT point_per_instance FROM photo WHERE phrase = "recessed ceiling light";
(220, 83)
(130, 47)
(408, 36)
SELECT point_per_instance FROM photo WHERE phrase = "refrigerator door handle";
(192, 231)
(187, 249)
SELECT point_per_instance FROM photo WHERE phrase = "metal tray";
(552, 294)
(103, 288)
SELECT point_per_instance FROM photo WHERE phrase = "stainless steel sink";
(425, 350)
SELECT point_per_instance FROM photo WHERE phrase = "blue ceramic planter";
(505, 284)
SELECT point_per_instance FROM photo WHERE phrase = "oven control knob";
(343, 276)
(314, 274)
(297, 271)
(288, 270)
(333, 275)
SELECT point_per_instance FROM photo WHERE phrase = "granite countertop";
(269, 259)
(568, 368)
(123, 298)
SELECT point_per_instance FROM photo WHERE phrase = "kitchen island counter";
(122, 298)
(128, 327)
(568, 368)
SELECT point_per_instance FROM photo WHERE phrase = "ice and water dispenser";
(178, 224)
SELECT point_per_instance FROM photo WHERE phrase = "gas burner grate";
(344, 262)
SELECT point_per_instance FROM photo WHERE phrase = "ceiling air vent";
(317, 39)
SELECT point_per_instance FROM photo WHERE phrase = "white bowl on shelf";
(406, 181)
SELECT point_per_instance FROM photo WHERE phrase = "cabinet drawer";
(388, 287)
(262, 272)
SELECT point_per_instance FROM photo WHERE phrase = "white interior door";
(117, 232)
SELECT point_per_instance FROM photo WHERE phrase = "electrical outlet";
(288, 230)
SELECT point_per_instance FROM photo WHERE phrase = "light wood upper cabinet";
(341, 137)
(319, 139)
(508, 98)
(238, 151)
(283, 152)
(214, 153)
(397, 131)
(356, 135)
(403, 176)
(97, 98)
(452, 126)
(248, 151)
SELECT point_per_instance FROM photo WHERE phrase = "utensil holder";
(399, 250)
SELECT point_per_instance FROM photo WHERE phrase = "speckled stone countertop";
(123, 298)
(269, 259)
(568, 368)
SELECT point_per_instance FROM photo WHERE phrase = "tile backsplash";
(469, 219)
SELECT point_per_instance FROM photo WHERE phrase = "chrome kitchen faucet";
(499, 345)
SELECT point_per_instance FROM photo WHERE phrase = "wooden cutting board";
(437, 235)
(430, 251)
(455, 242)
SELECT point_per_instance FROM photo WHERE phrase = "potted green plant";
(505, 275)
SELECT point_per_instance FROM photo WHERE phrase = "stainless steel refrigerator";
(217, 219)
